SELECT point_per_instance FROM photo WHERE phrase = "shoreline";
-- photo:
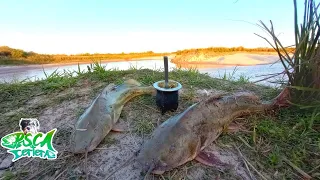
(235, 59)
(210, 61)
(83, 62)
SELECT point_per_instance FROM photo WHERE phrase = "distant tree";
(5, 53)
(17, 53)
(5, 48)
(31, 53)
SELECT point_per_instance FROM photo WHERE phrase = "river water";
(36, 72)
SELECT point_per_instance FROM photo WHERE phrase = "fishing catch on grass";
(183, 137)
(102, 115)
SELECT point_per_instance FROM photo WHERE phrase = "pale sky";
(76, 26)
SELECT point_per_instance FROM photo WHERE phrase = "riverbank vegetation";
(209, 55)
(11, 56)
(232, 49)
(277, 145)
(302, 67)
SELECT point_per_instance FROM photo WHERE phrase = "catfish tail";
(136, 91)
(282, 100)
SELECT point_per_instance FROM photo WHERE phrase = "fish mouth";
(80, 142)
(151, 166)
(147, 168)
(77, 151)
(144, 164)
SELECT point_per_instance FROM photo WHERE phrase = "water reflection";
(36, 72)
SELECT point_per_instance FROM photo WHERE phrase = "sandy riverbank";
(201, 60)
(238, 59)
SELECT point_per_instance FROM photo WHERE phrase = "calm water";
(36, 72)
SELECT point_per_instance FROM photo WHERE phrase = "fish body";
(182, 137)
(100, 117)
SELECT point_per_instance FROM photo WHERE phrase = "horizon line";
(149, 51)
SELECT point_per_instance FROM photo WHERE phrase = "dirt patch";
(62, 114)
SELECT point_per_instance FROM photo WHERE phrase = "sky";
(106, 26)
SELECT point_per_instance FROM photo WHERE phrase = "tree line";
(8, 53)
(226, 49)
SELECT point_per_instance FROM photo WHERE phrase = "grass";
(287, 135)
(242, 79)
(229, 76)
(58, 80)
(290, 133)
(294, 133)
(144, 126)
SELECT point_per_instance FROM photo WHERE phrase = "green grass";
(143, 126)
(243, 79)
(229, 76)
(293, 134)
(60, 81)
(8, 175)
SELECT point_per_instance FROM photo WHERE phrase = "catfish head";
(91, 127)
(172, 144)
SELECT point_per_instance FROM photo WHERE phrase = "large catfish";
(183, 137)
(102, 115)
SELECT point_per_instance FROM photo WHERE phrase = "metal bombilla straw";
(166, 72)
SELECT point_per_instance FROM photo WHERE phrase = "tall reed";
(302, 66)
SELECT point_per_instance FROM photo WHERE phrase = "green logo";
(30, 144)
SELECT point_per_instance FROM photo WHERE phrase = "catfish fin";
(107, 88)
(215, 97)
(210, 159)
(158, 172)
(120, 126)
(282, 100)
(232, 128)
(159, 169)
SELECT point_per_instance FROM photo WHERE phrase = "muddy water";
(36, 72)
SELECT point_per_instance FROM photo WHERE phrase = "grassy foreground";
(274, 146)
